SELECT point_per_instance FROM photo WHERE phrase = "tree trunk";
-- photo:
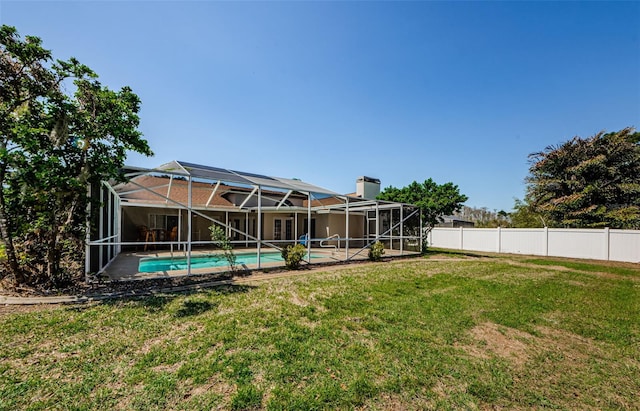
(53, 255)
(5, 232)
(8, 244)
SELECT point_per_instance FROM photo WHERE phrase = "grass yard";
(476, 333)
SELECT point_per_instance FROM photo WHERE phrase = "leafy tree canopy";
(592, 182)
(434, 200)
(524, 216)
(52, 145)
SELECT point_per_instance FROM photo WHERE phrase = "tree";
(483, 217)
(220, 239)
(592, 182)
(52, 146)
(434, 200)
(524, 216)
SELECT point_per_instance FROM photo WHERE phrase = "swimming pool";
(153, 264)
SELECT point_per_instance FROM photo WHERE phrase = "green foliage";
(221, 240)
(293, 255)
(525, 216)
(52, 145)
(434, 200)
(376, 251)
(590, 182)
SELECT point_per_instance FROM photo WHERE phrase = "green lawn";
(503, 332)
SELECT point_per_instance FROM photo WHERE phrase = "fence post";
(607, 242)
(499, 231)
(546, 241)
(461, 238)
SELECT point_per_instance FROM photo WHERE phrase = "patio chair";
(173, 234)
(147, 236)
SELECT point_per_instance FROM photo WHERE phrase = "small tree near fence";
(221, 241)
(434, 200)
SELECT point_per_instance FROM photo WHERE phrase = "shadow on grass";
(455, 253)
(194, 307)
(612, 267)
(158, 302)
(226, 289)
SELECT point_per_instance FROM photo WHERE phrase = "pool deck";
(125, 266)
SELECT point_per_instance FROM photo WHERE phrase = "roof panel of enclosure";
(241, 177)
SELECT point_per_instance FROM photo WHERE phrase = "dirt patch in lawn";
(176, 335)
(168, 368)
(296, 300)
(494, 340)
(599, 274)
(217, 385)
(23, 309)
(489, 340)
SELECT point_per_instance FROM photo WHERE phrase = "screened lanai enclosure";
(158, 222)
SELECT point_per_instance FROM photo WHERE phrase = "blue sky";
(329, 91)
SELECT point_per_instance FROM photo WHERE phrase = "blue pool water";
(153, 264)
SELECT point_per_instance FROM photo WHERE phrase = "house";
(172, 207)
(453, 221)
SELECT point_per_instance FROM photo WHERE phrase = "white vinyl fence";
(597, 244)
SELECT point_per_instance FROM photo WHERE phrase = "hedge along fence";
(597, 244)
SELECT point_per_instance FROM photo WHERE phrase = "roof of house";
(240, 177)
(158, 188)
(324, 202)
(219, 188)
(450, 218)
(177, 190)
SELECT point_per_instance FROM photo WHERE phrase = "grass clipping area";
(412, 334)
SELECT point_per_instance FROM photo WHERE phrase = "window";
(166, 222)
(235, 224)
(288, 230)
(312, 232)
(163, 225)
(277, 229)
(385, 223)
(157, 221)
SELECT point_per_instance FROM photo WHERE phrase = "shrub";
(376, 251)
(293, 255)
